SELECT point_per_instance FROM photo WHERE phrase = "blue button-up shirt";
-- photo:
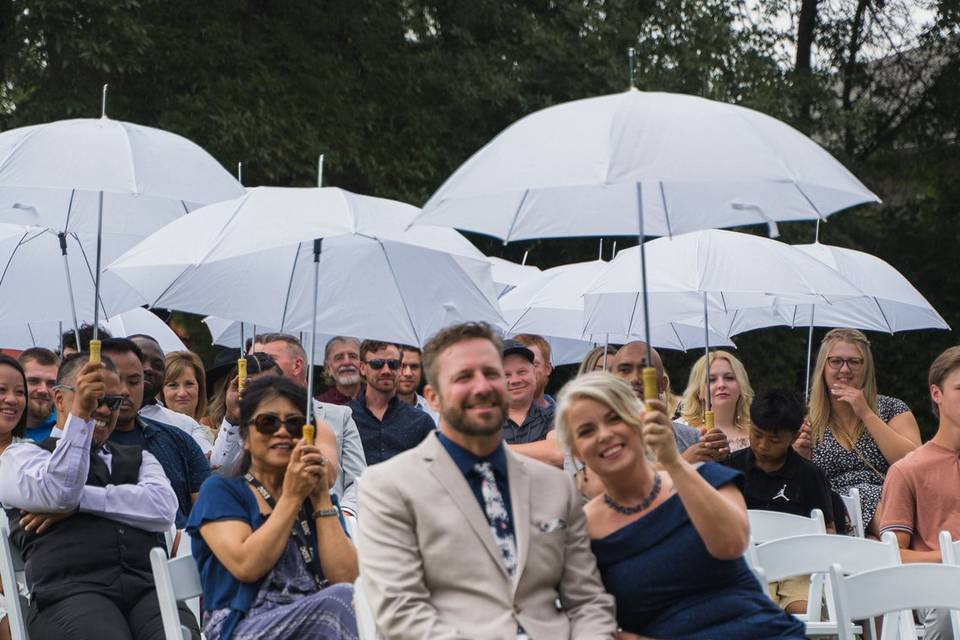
(181, 458)
(403, 427)
(465, 461)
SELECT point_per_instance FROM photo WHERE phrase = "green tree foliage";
(398, 93)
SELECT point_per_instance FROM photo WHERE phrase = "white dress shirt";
(200, 434)
(39, 481)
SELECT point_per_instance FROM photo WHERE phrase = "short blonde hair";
(605, 388)
(175, 364)
(819, 410)
(595, 355)
(693, 404)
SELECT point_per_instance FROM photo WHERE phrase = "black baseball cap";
(512, 347)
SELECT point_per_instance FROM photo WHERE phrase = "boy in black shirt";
(777, 478)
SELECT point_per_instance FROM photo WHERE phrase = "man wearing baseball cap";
(528, 428)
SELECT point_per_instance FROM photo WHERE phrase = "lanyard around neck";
(300, 537)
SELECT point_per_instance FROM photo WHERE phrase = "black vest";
(86, 553)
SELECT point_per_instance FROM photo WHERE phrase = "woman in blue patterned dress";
(669, 543)
(273, 556)
(853, 434)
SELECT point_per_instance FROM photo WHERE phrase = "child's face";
(770, 447)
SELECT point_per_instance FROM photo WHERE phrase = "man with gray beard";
(341, 363)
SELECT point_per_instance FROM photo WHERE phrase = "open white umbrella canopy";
(727, 271)
(226, 333)
(551, 304)
(890, 302)
(33, 283)
(102, 183)
(101, 154)
(132, 322)
(679, 162)
(252, 259)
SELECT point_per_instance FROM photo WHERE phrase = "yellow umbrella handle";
(309, 431)
(241, 374)
(708, 420)
(95, 351)
(650, 386)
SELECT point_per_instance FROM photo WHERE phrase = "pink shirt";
(921, 496)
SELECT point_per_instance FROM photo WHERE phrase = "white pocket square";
(548, 526)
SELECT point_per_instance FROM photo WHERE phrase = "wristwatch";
(327, 512)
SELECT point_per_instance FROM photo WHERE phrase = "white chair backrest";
(892, 589)
(949, 548)
(10, 564)
(950, 554)
(176, 580)
(851, 502)
(772, 525)
(366, 625)
(802, 555)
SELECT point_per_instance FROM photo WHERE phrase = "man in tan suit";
(459, 537)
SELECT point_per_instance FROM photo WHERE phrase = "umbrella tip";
(632, 68)
(103, 102)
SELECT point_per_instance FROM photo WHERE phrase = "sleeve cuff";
(93, 500)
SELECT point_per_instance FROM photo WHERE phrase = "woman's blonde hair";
(594, 356)
(605, 388)
(693, 405)
(820, 412)
(175, 364)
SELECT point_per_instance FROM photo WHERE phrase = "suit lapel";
(448, 474)
(519, 480)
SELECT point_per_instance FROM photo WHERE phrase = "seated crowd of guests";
(488, 509)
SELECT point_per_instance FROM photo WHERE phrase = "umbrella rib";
(516, 216)
(12, 254)
(133, 166)
(522, 316)
(33, 338)
(882, 314)
(809, 201)
(633, 314)
(83, 253)
(403, 300)
(66, 223)
(286, 300)
(666, 212)
(683, 347)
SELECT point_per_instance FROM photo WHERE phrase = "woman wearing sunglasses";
(273, 556)
(853, 434)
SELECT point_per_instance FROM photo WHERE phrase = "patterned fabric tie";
(496, 511)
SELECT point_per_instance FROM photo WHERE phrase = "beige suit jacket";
(431, 568)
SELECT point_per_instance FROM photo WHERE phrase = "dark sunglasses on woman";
(269, 424)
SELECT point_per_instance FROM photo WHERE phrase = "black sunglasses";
(112, 402)
(268, 424)
(378, 363)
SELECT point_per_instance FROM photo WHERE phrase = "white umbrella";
(507, 275)
(47, 333)
(579, 168)
(727, 270)
(33, 287)
(890, 302)
(642, 164)
(250, 259)
(551, 304)
(115, 172)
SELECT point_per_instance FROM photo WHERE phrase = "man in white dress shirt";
(85, 514)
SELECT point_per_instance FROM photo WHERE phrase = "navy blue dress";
(667, 585)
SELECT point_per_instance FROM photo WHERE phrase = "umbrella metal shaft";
(317, 247)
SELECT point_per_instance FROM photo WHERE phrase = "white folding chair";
(10, 564)
(813, 555)
(950, 554)
(851, 502)
(897, 589)
(176, 580)
(366, 625)
(771, 525)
